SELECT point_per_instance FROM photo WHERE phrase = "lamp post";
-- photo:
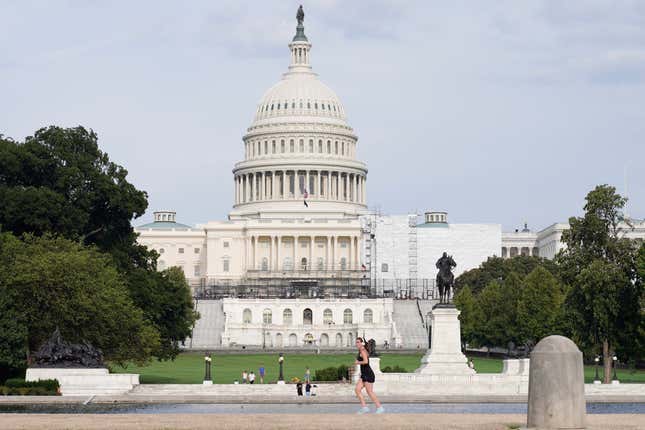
(615, 378)
(207, 369)
(280, 375)
(596, 379)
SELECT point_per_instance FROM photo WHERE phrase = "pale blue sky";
(496, 112)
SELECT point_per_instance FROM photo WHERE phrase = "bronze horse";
(445, 278)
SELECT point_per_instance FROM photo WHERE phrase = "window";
(303, 263)
(196, 250)
(161, 250)
(196, 272)
(291, 146)
(316, 105)
(347, 316)
(320, 146)
(181, 250)
(308, 105)
(267, 316)
(226, 266)
(226, 245)
(282, 146)
(265, 264)
(307, 316)
(266, 147)
(161, 265)
(246, 316)
(384, 267)
(293, 105)
(273, 146)
(367, 316)
(336, 147)
(329, 147)
(287, 317)
(302, 146)
(311, 145)
(320, 263)
(287, 263)
(328, 317)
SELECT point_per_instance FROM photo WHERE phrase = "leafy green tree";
(540, 306)
(53, 282)
(606, 292)
(491, 321)
(497, 269)
(60, 182)
(466, 303)
(166, 302)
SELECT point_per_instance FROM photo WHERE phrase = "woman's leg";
(369, 386)
(359, 388)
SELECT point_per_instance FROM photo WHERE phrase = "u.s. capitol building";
(300, 260)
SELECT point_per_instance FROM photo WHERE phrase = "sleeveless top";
(365, 368)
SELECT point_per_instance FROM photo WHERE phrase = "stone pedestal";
(444, 356)
(556, 385)
(81, 382)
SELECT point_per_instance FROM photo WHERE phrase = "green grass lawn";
(188, 368)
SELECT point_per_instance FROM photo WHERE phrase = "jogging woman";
(367, 378)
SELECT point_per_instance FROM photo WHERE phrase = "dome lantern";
(300, 46)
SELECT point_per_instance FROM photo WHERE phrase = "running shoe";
(380, 410)
(363, 410)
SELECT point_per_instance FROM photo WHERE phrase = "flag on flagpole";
(305, 195)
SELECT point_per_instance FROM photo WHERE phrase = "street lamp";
(207, 369)
(596, 379)
(281, 375)
(615, 378)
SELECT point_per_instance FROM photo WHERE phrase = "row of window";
(287, 264)
(266, 147)
(179, 250)
(285, 106)
(307, 316)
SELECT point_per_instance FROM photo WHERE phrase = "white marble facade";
(324, 323)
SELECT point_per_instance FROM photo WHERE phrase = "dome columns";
(291, 184)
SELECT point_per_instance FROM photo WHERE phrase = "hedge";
(331, 373)
(17, 386)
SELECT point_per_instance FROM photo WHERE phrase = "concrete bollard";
(556, 385)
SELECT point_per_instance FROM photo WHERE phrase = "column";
(255, 252)
(337, 187)
(295, 252)
(350, 253)
(273, 185)
(327, 245)
(278, 241)
(328, 185)
(284, 184)
(307, 182)
(334, 239)
(311, 252)
(355, 184)
(236, 189)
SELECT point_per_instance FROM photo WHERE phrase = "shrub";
(393, 369)
(331, 373)
(43, 386)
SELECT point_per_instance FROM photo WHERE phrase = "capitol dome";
(299, 151)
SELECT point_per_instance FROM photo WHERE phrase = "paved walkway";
(310, 422)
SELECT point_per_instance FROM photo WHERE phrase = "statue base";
(444, 356)
(207, 383)
(85, 382)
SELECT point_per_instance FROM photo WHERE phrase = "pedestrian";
(308, 389)
(251, 377)
(471, 364)
(244, 376)
(367, 378)
(307, 375)
(261, 373)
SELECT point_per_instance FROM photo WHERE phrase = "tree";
(48, 283)
(491, 321)
(496, 268)
(540, 306)
(466, 303)
(59, 182)
(604, 300)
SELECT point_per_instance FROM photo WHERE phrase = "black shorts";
(368, 377)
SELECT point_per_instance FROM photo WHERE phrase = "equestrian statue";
(445, 278)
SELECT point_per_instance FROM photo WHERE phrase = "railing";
(325, 287)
